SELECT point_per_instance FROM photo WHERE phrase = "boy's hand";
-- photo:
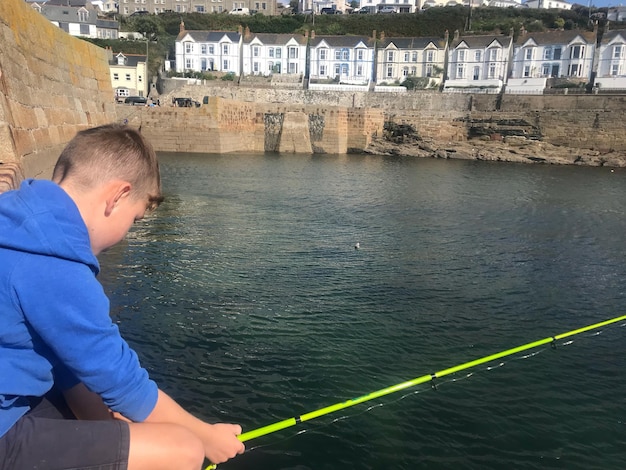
(221, 442)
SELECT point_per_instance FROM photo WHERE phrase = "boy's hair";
(113, 151)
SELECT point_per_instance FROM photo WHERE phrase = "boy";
(60, 355)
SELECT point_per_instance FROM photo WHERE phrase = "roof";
(277, 39)
(341, 41)
(612, 35)
(556, 37)
(481, 42)
(413, 43)
(209, 36)
(131, 60)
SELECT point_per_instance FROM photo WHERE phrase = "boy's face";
(123, 215)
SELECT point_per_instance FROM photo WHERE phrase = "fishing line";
(432, 377)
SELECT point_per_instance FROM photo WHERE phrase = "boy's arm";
(220, 439)
(85, 404)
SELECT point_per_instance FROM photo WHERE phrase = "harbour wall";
(51, 86)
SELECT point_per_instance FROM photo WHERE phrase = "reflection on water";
(247, 301)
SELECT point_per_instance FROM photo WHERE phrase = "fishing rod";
(286, 423)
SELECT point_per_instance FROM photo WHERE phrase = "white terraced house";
(341, 59)
(268, 54)
(478, 63)
(612, 61)
(202, 51)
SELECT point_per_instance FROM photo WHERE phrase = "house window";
(407, 56)
(225, 49)
(529, 53)
(337, 55)
(493, 54)
(615, 70)
(188, 64)
(255, 51)
(203, 49)
(270, 52)
(492, 71)
(405, 71)
(477, 56)
(574, 70)
(360, 54)
(225, 65)
(293, 67)
(460, 71)
(389, 72)
(617, 52)
(202, 64)
(337, 69)
(414, 71)
(116, 76)
(211, 50)
(577, 52)
(264, 7)
(199, 8)
(128, 77)
(188, 48)
(322, 53)
(389, 56)
(292, 52)
(460, 55)
(526, 70)
(476, 74)
(322, 70)
(270, 66)
(83, 16)
(346, 55)
(278, 52)
(414, 55)
(359, 70)
(545, 70)
(557, 53)
(255, 67)
(429, 70)
(547, 53)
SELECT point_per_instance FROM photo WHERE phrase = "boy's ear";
(115, 193)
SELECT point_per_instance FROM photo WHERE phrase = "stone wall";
(225, 126)
(51, 86)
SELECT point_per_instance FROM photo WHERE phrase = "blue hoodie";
(54, 315)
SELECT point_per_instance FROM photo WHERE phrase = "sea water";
(248, 300)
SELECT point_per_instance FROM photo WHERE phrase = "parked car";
(387, 9)
(364, 10)
(185, 103)
(133, 100)
(121, 94)
(330, 11)
(240, 11)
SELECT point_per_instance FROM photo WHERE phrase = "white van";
(240, 11)
(121, 94)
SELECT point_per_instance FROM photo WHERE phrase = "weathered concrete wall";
(51, 86)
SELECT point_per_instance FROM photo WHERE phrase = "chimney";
(456, 34)
(240, 30)
(306, 34)
(374, 34)
(182, 26)
(446, 36)
(312, 34)
(382, 35)
(522, 31)
(511, 32)
(247, 34)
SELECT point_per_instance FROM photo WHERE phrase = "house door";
(476, 73)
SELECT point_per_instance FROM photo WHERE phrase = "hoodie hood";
(41, 218)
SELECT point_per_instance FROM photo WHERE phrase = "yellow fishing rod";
(286, 423)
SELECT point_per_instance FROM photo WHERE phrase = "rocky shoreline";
(508, 149)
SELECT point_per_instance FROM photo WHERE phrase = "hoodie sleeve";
(68, 311)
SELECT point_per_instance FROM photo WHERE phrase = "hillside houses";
(533, 63)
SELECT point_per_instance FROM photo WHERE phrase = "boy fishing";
(72, 392)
